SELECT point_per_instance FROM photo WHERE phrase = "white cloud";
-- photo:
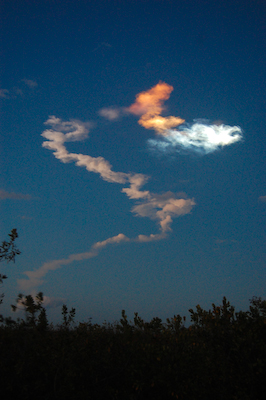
(200, 137)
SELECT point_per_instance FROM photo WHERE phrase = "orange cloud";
(149, 105)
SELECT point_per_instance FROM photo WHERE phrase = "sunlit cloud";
(201, 138)
(149, 105)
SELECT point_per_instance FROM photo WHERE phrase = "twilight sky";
(133, 154)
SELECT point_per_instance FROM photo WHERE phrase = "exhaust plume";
(149, 105)
(201, 137)
(160, 208)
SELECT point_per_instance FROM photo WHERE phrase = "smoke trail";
(160, 208)
(201, 137)
(36, 277)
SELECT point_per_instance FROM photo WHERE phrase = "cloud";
(102, 45)
(201, 138)
(53, 302)
(13, 196)
(160, 208)
(149, 105)
(110, 113)
(30, 83)
(36, 277)
(17, 91)
(163, 208)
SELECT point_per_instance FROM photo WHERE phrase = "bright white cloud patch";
(199, 137)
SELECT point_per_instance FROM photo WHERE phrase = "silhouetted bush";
(221, 355)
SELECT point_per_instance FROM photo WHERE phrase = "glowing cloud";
(149, 105)
(201, 137)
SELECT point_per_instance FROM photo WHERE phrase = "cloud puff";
(30, 83)
(163, 208)
(149, 105)
(111, 113)
(199, 137)
(13, 196)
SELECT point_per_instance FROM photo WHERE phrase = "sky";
(133, 154)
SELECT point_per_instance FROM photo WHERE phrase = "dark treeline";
(221, 355)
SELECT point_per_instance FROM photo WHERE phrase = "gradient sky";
(80, 65)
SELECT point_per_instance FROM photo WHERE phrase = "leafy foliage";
(8, 252)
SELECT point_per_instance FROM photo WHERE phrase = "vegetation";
(220, 355)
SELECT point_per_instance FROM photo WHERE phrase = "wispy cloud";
(111, 113)
(102, 45)
(30, 83)
(13, 196)
(17, 90)
(36, 277)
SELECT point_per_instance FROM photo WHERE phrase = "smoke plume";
(149, 105)
(201, 136)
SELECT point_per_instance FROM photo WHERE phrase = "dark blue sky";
(72, 59)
